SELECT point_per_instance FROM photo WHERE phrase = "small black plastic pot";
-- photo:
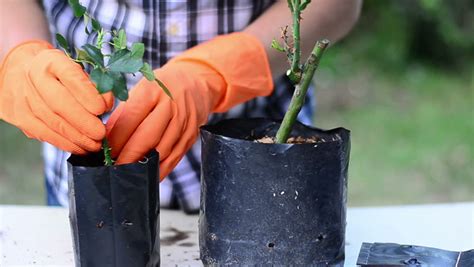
(114, 211)
(392, 255)
(272, 204)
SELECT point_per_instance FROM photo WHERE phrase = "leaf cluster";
(108, 70)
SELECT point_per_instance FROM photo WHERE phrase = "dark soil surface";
(291, 140)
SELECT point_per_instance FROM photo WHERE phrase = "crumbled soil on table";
(176, 236)
(291, 140)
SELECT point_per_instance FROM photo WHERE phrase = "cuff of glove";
(240, 59)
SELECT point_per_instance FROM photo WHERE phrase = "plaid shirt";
(166, 28)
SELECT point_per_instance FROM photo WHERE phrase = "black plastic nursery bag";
(272, 204)
(114, 212)
(391, 255)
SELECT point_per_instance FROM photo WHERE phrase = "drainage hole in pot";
(270, 245)
(321, 237)
(412, 261)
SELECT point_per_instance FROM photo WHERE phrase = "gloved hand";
(211, 77)
(50, 98)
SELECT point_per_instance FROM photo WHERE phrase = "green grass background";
(412, 135)
(21, 174)
(411, 111)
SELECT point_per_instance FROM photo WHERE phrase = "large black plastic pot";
(272, 204)
(114, 212)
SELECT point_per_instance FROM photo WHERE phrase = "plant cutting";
(108, 70)
(113, 209)
(274, 192)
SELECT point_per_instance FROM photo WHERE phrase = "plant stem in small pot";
(297, 100)
(114, 211)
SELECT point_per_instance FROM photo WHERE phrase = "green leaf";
(77, 8)
(304, 4)
(94, 53)
(104, 81)
(147, 72)
(138, 49)
(95, 25)
(120, 86)
(276, 45)
(164, 88)
(62, 42)
(86, 24)
(81, 55)
(117, 55)
(120, 40)
(122, 61)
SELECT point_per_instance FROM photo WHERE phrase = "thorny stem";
(108, 161)
(295, 72)
(107, 150)
(82, 61)
(301, 88)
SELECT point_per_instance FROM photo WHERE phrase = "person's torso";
(165, 27)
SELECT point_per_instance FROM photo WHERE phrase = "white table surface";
(40, 236)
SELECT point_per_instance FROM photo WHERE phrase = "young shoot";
(300, 74)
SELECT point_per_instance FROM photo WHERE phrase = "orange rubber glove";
(50, 98)
(211, 77)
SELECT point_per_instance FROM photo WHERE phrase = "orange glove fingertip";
(108, 101)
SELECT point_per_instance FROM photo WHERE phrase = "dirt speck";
(213, 236)
(176, 236)
(187, 244)
(302, 140)
(127, 223)
(266, 140)
(291, 140)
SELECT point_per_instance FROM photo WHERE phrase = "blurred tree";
(396, 33)
(443, 31)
